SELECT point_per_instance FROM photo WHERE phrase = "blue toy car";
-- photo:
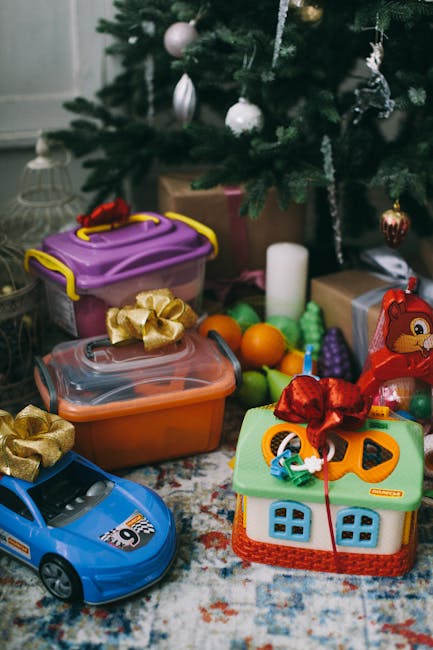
(92, 536)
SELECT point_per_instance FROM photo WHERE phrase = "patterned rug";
(212, 600)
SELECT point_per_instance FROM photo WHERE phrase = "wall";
(49, 53)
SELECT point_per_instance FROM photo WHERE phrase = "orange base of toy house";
(324, 561)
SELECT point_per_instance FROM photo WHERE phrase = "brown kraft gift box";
(242, 241)
(336, 293)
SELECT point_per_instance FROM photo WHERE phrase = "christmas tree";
(340, 95)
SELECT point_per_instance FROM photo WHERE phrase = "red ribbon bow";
(325, 404)
(116, 212)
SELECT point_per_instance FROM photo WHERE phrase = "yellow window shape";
(284, 436)
(372, 455)
(281, 437)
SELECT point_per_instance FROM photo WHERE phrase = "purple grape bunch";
(335, 358)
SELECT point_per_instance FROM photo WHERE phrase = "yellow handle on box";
(53, 264)
(83, 233)
(199, 227)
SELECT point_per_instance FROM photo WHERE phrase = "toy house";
(374, 489)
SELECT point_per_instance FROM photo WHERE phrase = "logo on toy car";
(14, 543)
(131, 534)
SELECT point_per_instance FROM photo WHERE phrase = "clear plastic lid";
(91, 372)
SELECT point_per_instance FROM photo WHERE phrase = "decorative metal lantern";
(46, 202)
(21, 300)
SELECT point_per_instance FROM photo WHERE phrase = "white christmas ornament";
(178, 36)
(244, 116)
(184, 99)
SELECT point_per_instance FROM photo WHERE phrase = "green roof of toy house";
(400, 490)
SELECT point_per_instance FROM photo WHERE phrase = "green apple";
(253, 390)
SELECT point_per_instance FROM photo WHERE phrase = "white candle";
(286, 279)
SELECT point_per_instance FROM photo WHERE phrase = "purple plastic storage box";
(88, 270)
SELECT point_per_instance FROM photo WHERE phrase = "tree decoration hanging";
(281, 23)
(329, 171)
(310, 13)
(244, 116)
(184, 99)
(149, 74)
(176, 38)
(394, 224)
(376, 93)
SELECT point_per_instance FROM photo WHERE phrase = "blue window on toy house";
(357, 527)
(290, 520)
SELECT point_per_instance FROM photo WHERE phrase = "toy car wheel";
(60, 578)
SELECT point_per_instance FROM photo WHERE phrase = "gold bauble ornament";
(310, 13)
(394, 224)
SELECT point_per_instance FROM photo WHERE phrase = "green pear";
(277, 381)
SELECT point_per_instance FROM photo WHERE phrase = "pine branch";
(307, 94)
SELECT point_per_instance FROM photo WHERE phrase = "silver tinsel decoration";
(149, 74)
(329, 170)
(282, 16)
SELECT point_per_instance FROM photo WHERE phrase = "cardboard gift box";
(242, 241)
(351, 300)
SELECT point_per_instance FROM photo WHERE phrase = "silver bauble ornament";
(244, 116)
(178, 36)
(184, 99)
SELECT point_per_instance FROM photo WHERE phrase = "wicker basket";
(21, 300)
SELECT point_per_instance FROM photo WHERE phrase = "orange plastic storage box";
(132, 407)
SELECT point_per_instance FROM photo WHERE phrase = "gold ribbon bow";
(32, 438)
(157, 318)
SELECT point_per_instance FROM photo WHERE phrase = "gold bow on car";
(32, 438)
(157, 318)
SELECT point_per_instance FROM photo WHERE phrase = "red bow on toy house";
(325, 404)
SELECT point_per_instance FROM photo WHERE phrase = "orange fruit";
(262, 344)
(226, 326)
(292, 363)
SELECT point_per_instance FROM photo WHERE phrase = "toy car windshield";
(70, 494)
